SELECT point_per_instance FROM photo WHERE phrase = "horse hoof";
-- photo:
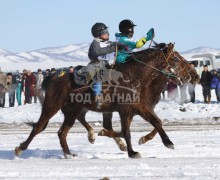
(102, 132)
(120, 143)
(69, 156)
(92, 141)
(168, 143)
(141, 140)
(170, 146)
(18, 151)
(91, 137)
(137, 155)
(123, 148)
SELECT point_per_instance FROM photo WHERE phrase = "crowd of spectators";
(209, 80)
(25, 85)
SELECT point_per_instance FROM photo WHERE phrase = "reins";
(166, 59)
(162, 71)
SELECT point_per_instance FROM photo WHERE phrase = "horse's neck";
(148, 72)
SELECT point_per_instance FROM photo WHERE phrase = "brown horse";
(148, 73)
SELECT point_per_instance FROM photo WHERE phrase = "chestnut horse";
(148, 73)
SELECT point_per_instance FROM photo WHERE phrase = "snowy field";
(196, 156)
(193, 128)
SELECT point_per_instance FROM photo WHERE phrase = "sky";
(34, 24)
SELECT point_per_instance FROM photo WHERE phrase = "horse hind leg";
(107, 124)
(69, 120)
(148, 137)
(126, 119)
(121, 145)
(116, 136)
(90, 130)
(37, 128)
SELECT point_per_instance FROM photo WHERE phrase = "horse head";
(5, 81)
(179, 69)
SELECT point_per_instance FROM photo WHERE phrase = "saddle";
(79, 76)
(83, 75)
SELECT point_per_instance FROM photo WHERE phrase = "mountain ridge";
(70, 53)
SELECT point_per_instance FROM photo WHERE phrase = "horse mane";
(157, 47)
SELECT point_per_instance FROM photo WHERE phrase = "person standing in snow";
(11, 91)
(39, 78)
(206, 79)
(183, 95)
(2, 96)
(19, 87)
(172, 90)
(191, 88)
(216, 84)
(30, 86)
(23, 84)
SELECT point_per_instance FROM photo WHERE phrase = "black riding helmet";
(99, 29)
(126, 26)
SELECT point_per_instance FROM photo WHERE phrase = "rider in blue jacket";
(126, 28)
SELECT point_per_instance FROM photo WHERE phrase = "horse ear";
(170, 47)
(155, 45)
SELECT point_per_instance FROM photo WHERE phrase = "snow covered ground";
(193, 128)
(196, 156)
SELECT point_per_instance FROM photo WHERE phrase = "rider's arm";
(97, 49)
(133, 44)
(141, 42)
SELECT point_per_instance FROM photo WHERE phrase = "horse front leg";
(152, 118)
(38, 127)
(52, 104)
(107, 124)
(148, 137)
(90, 130)
(126, 119)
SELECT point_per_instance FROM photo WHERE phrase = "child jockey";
(126, 27)
(98, 53)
